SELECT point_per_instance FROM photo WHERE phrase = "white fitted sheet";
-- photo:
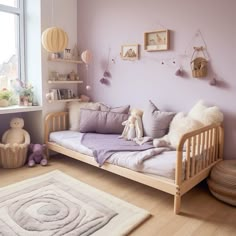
(162, 164)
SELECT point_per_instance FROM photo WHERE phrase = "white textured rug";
(57, 204)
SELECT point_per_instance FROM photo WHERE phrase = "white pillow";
(74, 112)
(206, 115)
(180, 125)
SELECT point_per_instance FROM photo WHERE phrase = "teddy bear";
(133, 126)
(37, 155)
(16, 134)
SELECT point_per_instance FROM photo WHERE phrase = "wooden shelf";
(65, 81)
(66, 60)
(65, 100)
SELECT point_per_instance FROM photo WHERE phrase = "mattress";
(162, 164)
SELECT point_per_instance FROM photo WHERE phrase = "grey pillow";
(74, 112)
(156, 122)
(122, 109)
(103, 122)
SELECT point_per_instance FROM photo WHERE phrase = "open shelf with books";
(65, 60)
(65, 81)
(65, 100)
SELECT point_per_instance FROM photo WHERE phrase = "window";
(11, 43)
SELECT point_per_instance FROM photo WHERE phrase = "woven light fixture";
(54, 39)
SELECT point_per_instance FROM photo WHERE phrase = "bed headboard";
(55, 121)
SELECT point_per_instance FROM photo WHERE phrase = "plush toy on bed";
(133, 126)
(37, 155)
(16, 135)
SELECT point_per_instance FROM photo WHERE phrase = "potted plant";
(26, 95)
(5, 96)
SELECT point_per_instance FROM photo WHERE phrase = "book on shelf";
(61, 94)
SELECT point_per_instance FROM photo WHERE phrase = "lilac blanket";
(104, 145)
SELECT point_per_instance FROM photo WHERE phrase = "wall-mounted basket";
(199, 64)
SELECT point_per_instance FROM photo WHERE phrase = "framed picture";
(156, 40)
(130, 52)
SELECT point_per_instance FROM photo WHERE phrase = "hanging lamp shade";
(86, 56)
(54, 39)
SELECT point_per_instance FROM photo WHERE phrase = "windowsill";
(17, 109)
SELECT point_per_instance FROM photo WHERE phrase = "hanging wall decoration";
(130, 52)
(156, 40)
(199, 63)
(106, 74)
(86, 57)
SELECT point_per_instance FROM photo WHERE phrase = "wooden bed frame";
(207, 140)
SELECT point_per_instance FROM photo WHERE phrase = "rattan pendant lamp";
(54, 39)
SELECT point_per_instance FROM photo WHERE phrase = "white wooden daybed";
(207, 140)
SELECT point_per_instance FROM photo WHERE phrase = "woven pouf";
(222, 181)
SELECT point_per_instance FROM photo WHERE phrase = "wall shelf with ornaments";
(65, 81)
(65, 60)
(65, 100)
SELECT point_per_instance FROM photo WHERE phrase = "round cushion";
(222, 181)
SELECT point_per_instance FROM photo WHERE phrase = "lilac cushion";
(122, 109)
(103, 122)
(155, 122)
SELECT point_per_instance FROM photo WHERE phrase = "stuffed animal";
(16, 135)
(133, 126)
(37, 155)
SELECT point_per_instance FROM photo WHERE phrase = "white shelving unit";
(66, 82)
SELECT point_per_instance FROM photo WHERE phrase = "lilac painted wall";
(104, 24)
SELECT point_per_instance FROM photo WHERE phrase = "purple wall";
(104, 24)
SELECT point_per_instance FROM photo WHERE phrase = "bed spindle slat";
(193, 151)
(203, 149)
(59, 123)
(215, 148)
(198, 153)
(53, 123)
(210, 148)
(188, 161)
(217, 143)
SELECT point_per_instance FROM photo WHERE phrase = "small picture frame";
(156, 40)
(130, 52)
(67, 54)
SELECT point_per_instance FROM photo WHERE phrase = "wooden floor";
(201, 213)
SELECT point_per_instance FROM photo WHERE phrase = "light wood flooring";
(201, 214)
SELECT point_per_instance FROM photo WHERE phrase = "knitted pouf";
(222, 181)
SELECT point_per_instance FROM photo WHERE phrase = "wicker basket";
(199, 64)
(13, 156)
(199, 67)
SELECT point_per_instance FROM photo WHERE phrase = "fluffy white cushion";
(206, 115)
(180, 125)
(199, 116)
(74, 112)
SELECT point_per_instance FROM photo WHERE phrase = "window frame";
(19, 11)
